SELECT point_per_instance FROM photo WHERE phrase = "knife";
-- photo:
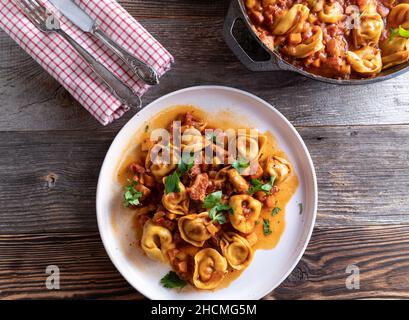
(83, 21)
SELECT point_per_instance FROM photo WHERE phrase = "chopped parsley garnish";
(301, 208)
(172, 280)
(147, 128)
(184, 167)
(257, 185)
(399, 31)
(266, 227)
(212, 199)
(131, 196)
(403, 32)
(214, 215)
(172, 183)
(240, 164)
(212, 202)
(275, 211)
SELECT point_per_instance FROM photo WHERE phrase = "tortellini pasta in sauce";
(156, 241)
(278, 167)
(196, 228)
(308, 47)
(395, 51)
(161, 160)
(369, 30)
(366, 61)
(246, 211)
(399, 16)
(237, 250)
(331, 13)
(176, 202)
(291, 21)
(210, 269)
(202, 218)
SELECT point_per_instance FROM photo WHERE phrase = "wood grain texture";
(380, 252)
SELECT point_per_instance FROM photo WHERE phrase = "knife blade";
(75, 14)
(70, 10)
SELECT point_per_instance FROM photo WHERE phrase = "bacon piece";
(195, 171)
(137, 168)
(197, 191)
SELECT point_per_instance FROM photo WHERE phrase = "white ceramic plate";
(269, 267)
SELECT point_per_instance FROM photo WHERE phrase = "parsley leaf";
(212, 199)
(212, 202)
(403, 32)
(184, 167)
(399, 31)
(275, 211)
(266, 227)
(214, 215)
(257, 185)
(172, 183)
(131, 196)
(172, 280)
(240, 164)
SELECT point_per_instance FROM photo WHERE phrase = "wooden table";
(51, 151)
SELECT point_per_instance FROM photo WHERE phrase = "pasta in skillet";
(204, 218)
(342, 39)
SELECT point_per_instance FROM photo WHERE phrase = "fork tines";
(35, 10)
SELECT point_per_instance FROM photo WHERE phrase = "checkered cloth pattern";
(59, 59)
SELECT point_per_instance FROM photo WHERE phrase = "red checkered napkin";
(60, 60)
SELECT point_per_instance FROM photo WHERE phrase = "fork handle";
(125, 94)
(144, 71)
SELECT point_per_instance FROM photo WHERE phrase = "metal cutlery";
(39, 16)
(77, 16)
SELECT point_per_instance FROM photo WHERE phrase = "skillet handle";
(233, 15)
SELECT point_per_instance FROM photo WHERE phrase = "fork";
(48, 23)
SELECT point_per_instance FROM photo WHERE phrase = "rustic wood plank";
(32, 100)
(49, 179)
(85, 268)
(381, 253)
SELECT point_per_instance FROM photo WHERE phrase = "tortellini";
(250, 146)
(399, 16)
(156, 241)
(366, 61)
(331, 13)
(291, 21)
(316, 5)
(236, 250)
(308, 47)
(278, 167)
(193, 141)
(160, 164)
(395, 51)
(176, 202)
(210, 269)
(246, 211)
(196, 228)
(238, 182)
(369, 30)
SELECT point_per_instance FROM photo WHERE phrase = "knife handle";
(125, 94)
(144, 71)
